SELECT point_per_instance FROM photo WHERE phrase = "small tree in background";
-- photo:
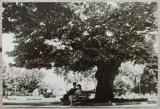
(125, 80)
(149, 78)
(18, 80)
(29, 80)
(8, 80)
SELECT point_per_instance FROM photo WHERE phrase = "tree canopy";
(81, 36)
(100, 33)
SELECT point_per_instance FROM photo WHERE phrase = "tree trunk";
(105, 76)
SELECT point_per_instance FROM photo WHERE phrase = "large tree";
(80, 36)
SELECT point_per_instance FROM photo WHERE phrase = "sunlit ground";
(41, 101)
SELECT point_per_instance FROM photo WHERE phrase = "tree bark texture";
(105, 76)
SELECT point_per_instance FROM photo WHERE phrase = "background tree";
(29, 80)
(125, 80)
(80, 36)
(17, 80)
(149, 78)
(8, 80)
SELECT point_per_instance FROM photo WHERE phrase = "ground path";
(55, 103)
(147, 106)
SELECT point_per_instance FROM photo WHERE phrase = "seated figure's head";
(79, 86)
(74, 84)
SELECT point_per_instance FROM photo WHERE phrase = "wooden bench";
(85, 95)
(82, 97)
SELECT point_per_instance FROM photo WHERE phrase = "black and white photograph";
(80, 54)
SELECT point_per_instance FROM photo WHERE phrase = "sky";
(7, 45)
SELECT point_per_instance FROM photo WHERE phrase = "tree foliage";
(99, 33)
(29, 80)
(149, 78)
(32, 23)
(8, 78)
(125, 80)
(19, 80)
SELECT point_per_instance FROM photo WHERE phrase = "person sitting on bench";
(65, 98)
(72, 90)
(74, 96)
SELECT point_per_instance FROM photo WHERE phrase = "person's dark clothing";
(72, 91)
(65, 98)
